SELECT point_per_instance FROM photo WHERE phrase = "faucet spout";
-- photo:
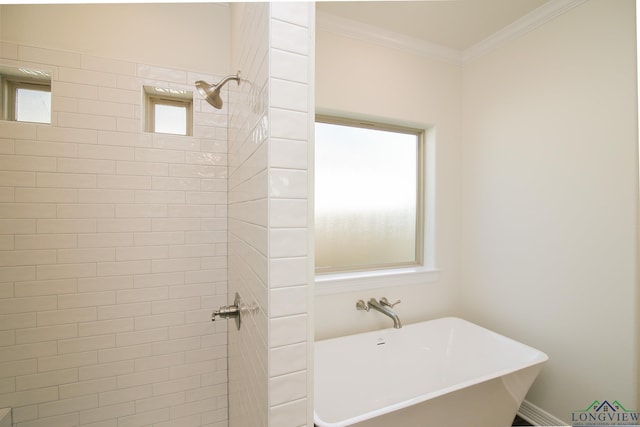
(386, 311)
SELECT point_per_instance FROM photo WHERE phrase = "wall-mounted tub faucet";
(383, 306)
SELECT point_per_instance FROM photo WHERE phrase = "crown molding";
(529, 22)
(376, 35)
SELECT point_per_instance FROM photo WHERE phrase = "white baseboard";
(537, 416)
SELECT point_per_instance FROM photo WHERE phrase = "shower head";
(211, 92)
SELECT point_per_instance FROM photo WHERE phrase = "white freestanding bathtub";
(446, 373)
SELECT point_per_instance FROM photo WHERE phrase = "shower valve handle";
(385, 301)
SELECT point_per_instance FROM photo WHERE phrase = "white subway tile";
(83, 388)
(65, 271)
(45, 287)
(289, 37)
(102, 240)
(67, 420)
(288, 183)
(292, 12)
(59, 226)
(123, 310)
(124, 182)
(18, 367)
(183, 305)
(289, 66)
(124, 339)
(67, 135)
(86, 344)
(141, 295)
(27, 257)
(158, 279)
(85, 255)
(158, 402)
(13, 321)
(289, 272)
(89, 299)
(91, 151)
(161, 361)
(158, 238)
(169, 265)
(290, 413)
(159, 321)
(89, 77)
(102, 327)
(54, 195)
(46, 379)
(175, 224)
(287, 330)
(179, 184)
(49, 148)
(286, 388)
(145, 418)
(153, 196)
(85, 210)
(128, 140)
(289, 154)
(142, 168)
(65, 180)
(17, 130)
(141, 211)
(161, 73)
(180, 384)
(125, 395)
(105, 108)
(124, 353)
(18, 226)
(97, 284)
(288, 359)
(142, 378)
(175, 345)
(122, 225)
(65, 406)
(124, 96)
(18, 179)
(159, 155)
(85, 165)
(193, 408)
(86, 121)
(73, 90)
(123, 268)
(61, 317)
(45, 241)
(287, 242)
(105, 196)
(46, 333)
(29, 397)
(27, 210)
(105, 370)
(7, 194)
(106, 412)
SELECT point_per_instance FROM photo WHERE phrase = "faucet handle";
(385, 301)
(361, 305)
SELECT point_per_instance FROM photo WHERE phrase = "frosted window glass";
(171, 119)
(33, 105)
(366, 203)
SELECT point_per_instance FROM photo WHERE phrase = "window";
(168, 110)
(369, 204)
(26, 95)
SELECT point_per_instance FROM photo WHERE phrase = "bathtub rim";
(539, 359)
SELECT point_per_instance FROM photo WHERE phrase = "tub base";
(483, 405)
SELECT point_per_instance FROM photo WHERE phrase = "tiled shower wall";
(269, 259)
(112, 253)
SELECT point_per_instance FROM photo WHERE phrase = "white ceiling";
(456, 24)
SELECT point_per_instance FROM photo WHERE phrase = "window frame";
(348, 279)
(170, 97)
(10, 82)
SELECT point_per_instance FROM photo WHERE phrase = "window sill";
(328, 284)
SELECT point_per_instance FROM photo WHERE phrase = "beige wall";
(360, 79)
(183, 36)
(550, 202)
